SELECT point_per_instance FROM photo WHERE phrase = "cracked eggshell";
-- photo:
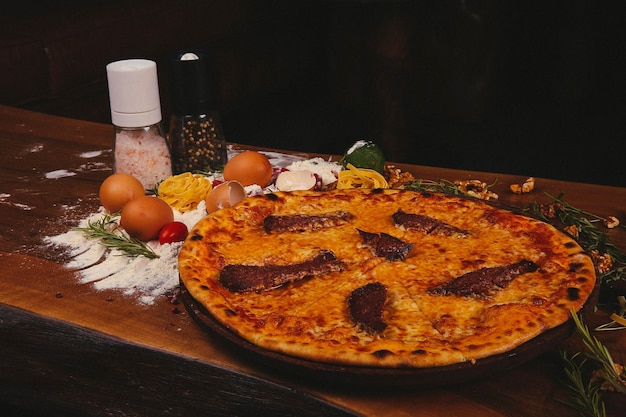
(296, 180)
(225, 195)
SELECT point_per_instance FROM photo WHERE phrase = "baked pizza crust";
(309, 317)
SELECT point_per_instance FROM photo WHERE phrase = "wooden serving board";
(377, 376)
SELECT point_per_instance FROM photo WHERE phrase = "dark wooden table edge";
(50, 367)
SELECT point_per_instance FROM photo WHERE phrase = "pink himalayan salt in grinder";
(140, 146)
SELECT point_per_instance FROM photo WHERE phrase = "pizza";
(383, 278)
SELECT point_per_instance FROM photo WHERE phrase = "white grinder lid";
(134, 93)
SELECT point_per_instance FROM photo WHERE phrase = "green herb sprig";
(587, 397)
(575, 214)
(441, 186)
(154, 190)
(599, 353)
(589, 235)
(471, 188)
(584, 397)
(586, 223)
(111, 236)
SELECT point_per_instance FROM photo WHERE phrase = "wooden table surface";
(68, 349)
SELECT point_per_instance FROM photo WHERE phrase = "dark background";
(529, 88)
(535, 88)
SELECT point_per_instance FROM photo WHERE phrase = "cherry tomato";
(173, 232)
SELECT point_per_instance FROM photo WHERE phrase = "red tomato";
(173, 232)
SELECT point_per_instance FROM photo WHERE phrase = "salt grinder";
(196, 138)
(140, 147)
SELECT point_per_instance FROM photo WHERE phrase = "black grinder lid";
(192, 88)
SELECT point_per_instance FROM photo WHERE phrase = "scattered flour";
(59, 173)
(36, 148)
(90, 154)
(95, 166)
(110, 269)
(5, 199)
(24, 207)
(327, 170)
(148, 279)
(89, 166)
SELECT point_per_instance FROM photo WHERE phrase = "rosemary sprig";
(442, 186)
(585, 222)
(111, 236)
(584, 397)
(218, 169)
(574, 213)
(587, 233)
(611, 372)
(154, 190)
(471, 188)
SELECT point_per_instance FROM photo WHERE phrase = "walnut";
(528, 185)
(476, 189)
(603, 262)
(599, 376)
(397, 178)
(571, 230)
(549, 211)
(611, 222)
(524, 188)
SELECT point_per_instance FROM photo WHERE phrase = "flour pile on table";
(148, 279)
(111, 269)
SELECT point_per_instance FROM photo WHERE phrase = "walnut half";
(524, 188)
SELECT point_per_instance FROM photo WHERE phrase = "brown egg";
(249, 167)
(118, 189)
(225, 195)
(143, 217)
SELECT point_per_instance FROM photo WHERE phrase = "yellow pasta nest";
(183, 192)
(360, 178)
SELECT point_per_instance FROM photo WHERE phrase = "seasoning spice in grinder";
(196, 138)
(140, 147)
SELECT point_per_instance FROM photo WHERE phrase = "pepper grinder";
(196, 138)
(140, 147)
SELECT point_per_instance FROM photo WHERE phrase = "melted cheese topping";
(308, 318)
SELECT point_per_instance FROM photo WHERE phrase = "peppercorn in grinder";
(196, 138)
